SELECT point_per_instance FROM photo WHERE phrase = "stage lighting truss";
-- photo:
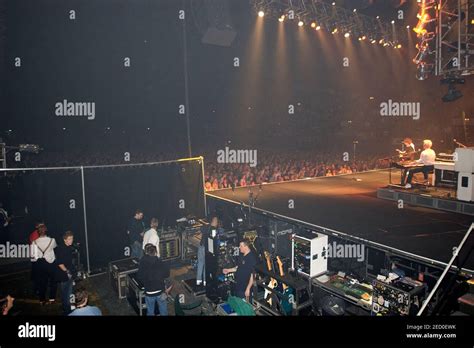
(331, 18)
(446, 38)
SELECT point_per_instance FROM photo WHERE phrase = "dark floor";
(349, 204)
(15, 280)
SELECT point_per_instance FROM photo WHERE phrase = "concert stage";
(348, 205)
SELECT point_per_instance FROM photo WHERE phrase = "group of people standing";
(52, 266)
(152, 271)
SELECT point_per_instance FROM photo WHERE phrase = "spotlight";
(347, 34)
(313, 25)
(261, 13)
(408, 27)
(334, 31)
(355, 10)
(300, 23)
(381, 41)
(373, 41)
(318, 27)
(364, 37)
(393, 22)
(378, 17)
(334, 4)
(399, 46)
(281, 19)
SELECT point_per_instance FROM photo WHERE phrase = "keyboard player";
(404, 157)
(424, 165)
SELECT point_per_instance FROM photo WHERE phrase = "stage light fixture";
(346, 35)
(452, 95)
(318, 27)
(422, 72)
(300, 23)
(261, 13)
(313, 25)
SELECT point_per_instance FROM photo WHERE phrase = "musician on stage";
(427, 159)
(408, 155)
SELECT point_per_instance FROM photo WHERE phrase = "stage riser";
(427, 201)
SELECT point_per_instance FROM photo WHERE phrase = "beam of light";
(423, 17)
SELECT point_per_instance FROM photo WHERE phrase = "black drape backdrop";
(113, 195)
(166, 191)
(53, 196)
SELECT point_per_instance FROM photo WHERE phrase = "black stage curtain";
(112, 195)
(52, 196)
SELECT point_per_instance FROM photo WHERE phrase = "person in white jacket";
(151, 236)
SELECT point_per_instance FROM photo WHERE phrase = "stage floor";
(349, 204)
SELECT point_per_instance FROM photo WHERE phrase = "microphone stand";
(460, 144)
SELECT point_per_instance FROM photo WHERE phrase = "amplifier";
(401, 297)
(279, 238)
(170, 245)
(118, 271)
(309, 255)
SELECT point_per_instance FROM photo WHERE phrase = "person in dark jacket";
(65, 270)
(135, 232)
(152, 273)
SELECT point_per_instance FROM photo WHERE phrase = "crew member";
(427, 159)
(152, 273)
(81, 297)
(210, 230)
(135, 231)
(244, 272)
(65, 270)
(151, 236)
(42, 252)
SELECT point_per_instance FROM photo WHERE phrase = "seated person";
(427, 158)
(82, 307)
